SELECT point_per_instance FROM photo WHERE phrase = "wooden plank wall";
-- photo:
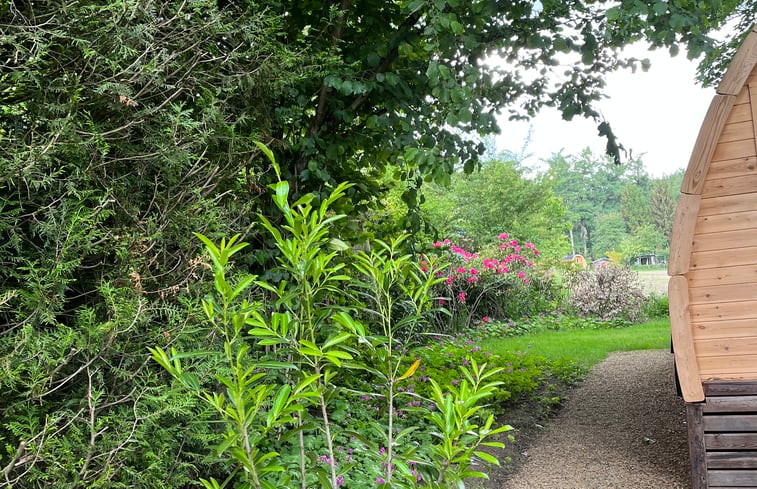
(723, 436)
(722, 272)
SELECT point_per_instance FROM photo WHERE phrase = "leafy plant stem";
(390, 432)
(301, 438)
(327, 430)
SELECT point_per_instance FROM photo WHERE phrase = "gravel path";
(623, 427)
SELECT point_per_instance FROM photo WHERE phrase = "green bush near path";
(586, 346)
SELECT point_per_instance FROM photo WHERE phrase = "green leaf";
(660, 8)
(271, 341)
(323, 478)
(335, 340)
(309, 348)
(190, 380)
(279, 403)
(338, 245)
(242, 286)
(261, 332)
(339, 354)
(276, 365)
(487, 457)
(307, 381)
(281, 194)
(271, 158)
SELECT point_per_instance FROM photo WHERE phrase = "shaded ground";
(623, 427)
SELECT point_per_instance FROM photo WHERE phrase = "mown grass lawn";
(588, 346)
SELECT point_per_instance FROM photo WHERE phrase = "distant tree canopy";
(611, 207)
(476, 208)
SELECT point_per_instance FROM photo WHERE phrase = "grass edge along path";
(586, 346)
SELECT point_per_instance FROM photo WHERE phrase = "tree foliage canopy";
(476, 208)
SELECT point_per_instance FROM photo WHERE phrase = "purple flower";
(379, 480)
(339, 480)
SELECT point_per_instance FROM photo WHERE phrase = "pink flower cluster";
(516, 259)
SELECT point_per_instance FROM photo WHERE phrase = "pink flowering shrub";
(500, 282)
(607, 293)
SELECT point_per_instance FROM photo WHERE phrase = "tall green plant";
(252, 407)
(320, 330)
(399, 297)
(455, 418)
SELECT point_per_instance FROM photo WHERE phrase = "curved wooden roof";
(713, 251)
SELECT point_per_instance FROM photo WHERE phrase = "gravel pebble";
(623, 427)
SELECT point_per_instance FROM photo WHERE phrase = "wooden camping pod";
(713, 284)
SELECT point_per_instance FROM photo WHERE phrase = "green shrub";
(656, 306)
(522, 373)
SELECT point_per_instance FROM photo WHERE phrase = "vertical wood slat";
(682, 239)
(697, 456)
(740, 68)
(683, 340)
(753, 104)
(706, 142)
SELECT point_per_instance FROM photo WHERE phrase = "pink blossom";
(461, 296)
(485, 319)
(536, 252)
(472, 280)
(446, 241)
(461, 270)
(473, 271)
(521, 274)
(450, 279)
(503, 236)
(437, 244)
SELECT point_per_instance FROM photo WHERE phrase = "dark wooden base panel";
(723, 436)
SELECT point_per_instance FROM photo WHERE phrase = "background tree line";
(582, 204)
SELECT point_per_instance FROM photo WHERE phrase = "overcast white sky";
(656, 114)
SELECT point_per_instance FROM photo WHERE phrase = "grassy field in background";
(654, 281)
(587, 347)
